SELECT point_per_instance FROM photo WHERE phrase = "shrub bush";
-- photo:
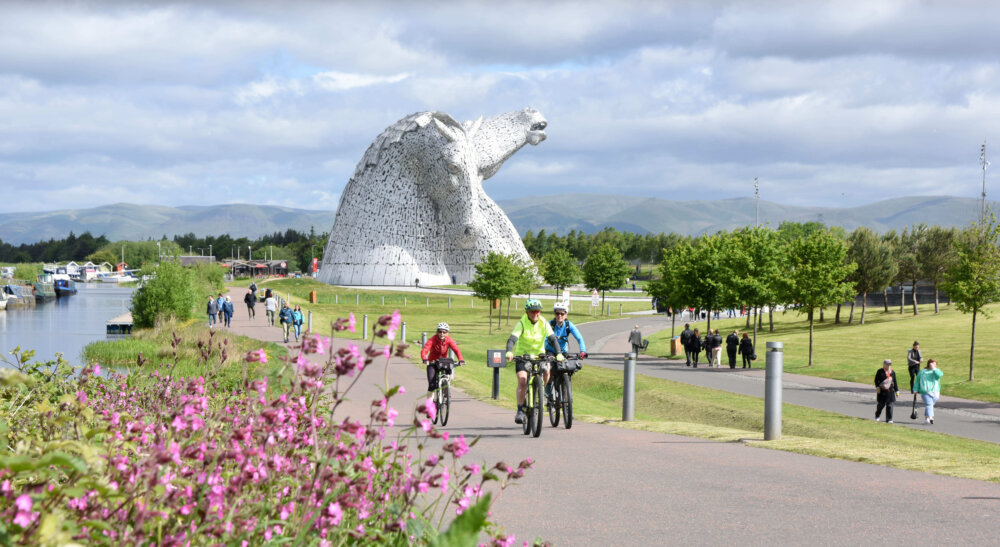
(171, 293)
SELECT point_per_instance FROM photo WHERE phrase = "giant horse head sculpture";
(415, 208)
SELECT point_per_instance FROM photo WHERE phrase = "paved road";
(605, 485)
(960, 417)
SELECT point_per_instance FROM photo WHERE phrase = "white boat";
(115, 278)
(3, 300)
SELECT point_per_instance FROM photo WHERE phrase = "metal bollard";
(628, 389)
(309, 326)
(772, 391)
(402, 333)
(449, 302)
(383, 301)
(423, 339)
(357, 299)
(364, 326)
(619, 310)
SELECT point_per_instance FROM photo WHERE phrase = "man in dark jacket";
(732, 344)
(635, 338)
(716, 345)
(693, 347)
(886, 389)
(250, 301)
(686, 335)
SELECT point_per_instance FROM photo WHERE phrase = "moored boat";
(64, 287)
(19, 294)
(44, 288)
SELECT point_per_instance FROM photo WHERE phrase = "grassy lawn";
(855, 352)
(672, 407)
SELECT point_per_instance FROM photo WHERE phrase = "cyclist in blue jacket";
(562, 328)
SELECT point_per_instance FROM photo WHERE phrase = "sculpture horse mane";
(415, 208)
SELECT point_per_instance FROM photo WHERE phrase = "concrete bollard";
(364, 326)
(309, 326)
(772, 391)
(383, 301)
(449, 302)
(628, 389)
(402, 333)
(336, 298)
(428, 302)
(357, 299)
(619, 310)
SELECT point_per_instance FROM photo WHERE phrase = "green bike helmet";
(532, 305)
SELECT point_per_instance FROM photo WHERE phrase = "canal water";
(64, 325)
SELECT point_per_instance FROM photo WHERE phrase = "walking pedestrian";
(212, 310)
(297, 321)
(250, 300)
(270, 307)
(928, 385)
(913, 359)
(887, 390)
(732, 345)
(716, 345)
(227, 310)
(221, 305)
(686, 335)
(635, 338)
(285, 317)
(746, 350)
(693, 347)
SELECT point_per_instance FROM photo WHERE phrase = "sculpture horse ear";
(448, 127)
(472, 127)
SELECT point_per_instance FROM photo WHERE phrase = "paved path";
(960, 417)
(605, 485)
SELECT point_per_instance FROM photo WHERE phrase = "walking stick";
(913, 415)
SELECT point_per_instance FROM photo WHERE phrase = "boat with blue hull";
(64, 287)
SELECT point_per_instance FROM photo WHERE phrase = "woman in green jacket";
(928, 385)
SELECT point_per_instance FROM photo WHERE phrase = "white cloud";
(342, 81)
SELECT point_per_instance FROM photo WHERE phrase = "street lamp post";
(210, 250)
(756, 203)
(159, 254)
(984, 163)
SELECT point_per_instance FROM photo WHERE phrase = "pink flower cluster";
(184, 462)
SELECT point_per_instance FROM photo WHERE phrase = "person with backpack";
(213, 310)
(562, 328)
(250, 300)
(285, 318)
(297, 321)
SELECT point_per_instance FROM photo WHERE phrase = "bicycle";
(561, 401)
(442, 395)
(533, 394)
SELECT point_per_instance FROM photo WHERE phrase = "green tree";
(559, 269)
(892, 240)
(974, 279)
(817, 274)
(754, 259)
(908, 261)
(668, 290)
(497, 277)
(605, 269)
(875, 265)
(937, 256)
(170, 293)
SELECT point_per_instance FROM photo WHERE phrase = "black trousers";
(694, 357)
(913, 370)
(747, 361)
(731, 350)
(885, 400)
(687, 353)
(432, 371)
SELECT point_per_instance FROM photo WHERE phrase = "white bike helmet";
(444, 327)
(559, 306)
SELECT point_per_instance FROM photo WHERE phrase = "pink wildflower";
(388, 349)
(425, 424)
(82, 397)
(335, 513)
(351, 322)
(23, 502)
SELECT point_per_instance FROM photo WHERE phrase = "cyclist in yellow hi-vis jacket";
(528, 338)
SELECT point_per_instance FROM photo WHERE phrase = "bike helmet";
(532, 305)
(444, 327)
(559, 306)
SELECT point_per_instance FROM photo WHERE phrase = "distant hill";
(592, 212)
(589, 213)
(133, 222)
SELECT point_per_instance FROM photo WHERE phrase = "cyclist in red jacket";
(436, 348)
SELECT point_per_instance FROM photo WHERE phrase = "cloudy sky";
(834, 103)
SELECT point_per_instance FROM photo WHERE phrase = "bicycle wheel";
(567, 400)
(445, 409)
(536, 417)
(555, 405)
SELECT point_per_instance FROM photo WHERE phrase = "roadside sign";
(315, 263)
(565, 296)
(495, 358)
(595, 298)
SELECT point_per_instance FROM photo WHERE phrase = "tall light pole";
(756, 203)
(158, 253)
(312, 257)
(984, 163)
(250, 253)
(210, 250)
